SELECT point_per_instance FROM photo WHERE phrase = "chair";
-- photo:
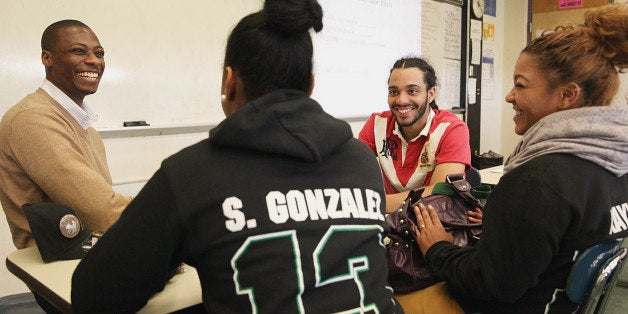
(594, 275)
(20, 303)
(473, 177)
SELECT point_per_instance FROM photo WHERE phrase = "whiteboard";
(164, 58)
(353, 54)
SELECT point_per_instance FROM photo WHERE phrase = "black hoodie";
(281, 209)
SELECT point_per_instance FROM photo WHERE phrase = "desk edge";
(35, 285)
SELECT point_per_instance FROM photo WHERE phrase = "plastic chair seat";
(473, 177)
(594, 274)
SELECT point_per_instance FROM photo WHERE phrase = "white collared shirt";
(82, 113)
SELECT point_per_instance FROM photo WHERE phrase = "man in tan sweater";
(48, 150)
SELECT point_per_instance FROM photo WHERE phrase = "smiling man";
(48, 150)
(416, 145)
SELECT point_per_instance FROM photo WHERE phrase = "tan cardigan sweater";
(46, 156)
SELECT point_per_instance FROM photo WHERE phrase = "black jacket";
(536, 218)
(281, 209)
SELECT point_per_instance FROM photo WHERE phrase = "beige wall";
(492, 98)
(515, 39)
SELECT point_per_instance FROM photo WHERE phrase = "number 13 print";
(355, 269)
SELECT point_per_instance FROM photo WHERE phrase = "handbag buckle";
(463, 188)
(459, 182)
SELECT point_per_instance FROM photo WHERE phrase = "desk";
(492, 175)
(53, 281)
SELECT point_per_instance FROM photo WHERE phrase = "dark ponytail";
(293, 16)
(272, 49)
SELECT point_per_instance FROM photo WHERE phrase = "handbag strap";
(482, 191)
(414, 196)
(463, 188)
(444, 188)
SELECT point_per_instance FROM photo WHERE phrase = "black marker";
(135, 123)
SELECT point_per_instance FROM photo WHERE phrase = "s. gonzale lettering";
(312, 204)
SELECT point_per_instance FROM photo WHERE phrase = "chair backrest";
(473, 177)
(594, 274)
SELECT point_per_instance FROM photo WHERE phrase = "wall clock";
(478, 8)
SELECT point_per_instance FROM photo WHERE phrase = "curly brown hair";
(589, 55)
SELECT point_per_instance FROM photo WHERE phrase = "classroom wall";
(515, 25)
(132, 160)
(9, 284)
(492, 82)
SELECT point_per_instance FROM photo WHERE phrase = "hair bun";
(293, 16)
(609, 25)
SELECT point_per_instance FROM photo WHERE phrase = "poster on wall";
(490, 7)
(453, 31)
(488, 72)
(488, 31)
(441, 31)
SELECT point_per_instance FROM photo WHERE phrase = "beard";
(421, 112)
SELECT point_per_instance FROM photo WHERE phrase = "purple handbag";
(407, 269)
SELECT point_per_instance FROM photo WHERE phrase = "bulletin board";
(547, 14)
